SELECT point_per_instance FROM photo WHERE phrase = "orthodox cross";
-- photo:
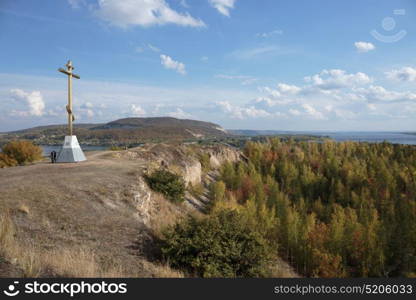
(68, 72)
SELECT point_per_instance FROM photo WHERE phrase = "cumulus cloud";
(142, 13)
(336, 79)
(288, 89)
(137, 110)
(404, 74)
(328, 95)
(311, 111)
(87, 105)
(223, 6)
(364, 47)
(239, 112)
(375, 93)
(169, 63)
(180, 114)
(33, 101)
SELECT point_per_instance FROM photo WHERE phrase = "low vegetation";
(221, 245)
(171, 185)
(19, 153)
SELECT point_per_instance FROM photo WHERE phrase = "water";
(372, 137)
(48, 149)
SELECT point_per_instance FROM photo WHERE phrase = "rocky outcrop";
(181, 159)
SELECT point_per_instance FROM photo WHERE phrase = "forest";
(329, 209)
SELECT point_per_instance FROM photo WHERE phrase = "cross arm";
(67, 73)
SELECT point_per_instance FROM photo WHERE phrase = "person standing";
(53, 157)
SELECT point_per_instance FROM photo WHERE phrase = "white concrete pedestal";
(71, 151)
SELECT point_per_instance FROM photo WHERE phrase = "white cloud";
(33, 100)
(288, 89)
(137, 110)
(169, 63)
(204, 58)
(153, 48)
(270, 33)
(237, 112)
(364, 47)
(76, 3)
(336, 79)
(311, 111)
(223, 6)
(403, 74)
(142, 13)
(87, 105)
(179, 114)
(89, 113)
(244, 80)
(375, 93)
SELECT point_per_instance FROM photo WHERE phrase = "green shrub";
(196, 190)
(217, 191)
(167, 183)
(205, 161)
(22, 152)
(222, 245)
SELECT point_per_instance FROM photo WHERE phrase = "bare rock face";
(184, 159)
(193, 173)
(220, 155)
(142, 201)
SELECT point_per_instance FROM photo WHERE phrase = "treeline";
(334, 209)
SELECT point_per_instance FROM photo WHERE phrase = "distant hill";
(129, 131)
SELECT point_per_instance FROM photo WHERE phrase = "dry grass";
(77, 262)
(162, 270)
(23, 208)
(62, 262)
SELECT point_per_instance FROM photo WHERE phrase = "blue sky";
(266, 64)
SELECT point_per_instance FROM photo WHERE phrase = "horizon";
(299, 66)
(233, 129)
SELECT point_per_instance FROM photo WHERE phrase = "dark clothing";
(53, 157)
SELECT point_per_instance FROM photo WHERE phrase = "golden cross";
(68, 72)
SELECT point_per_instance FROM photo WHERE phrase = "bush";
(167, 183)
(222, 245)
(196, 190)
(22, 152)
(205, 161)
(6, 161)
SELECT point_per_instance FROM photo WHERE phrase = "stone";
(71, 151)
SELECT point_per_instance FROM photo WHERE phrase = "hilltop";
(99, 217)
(129, 131)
